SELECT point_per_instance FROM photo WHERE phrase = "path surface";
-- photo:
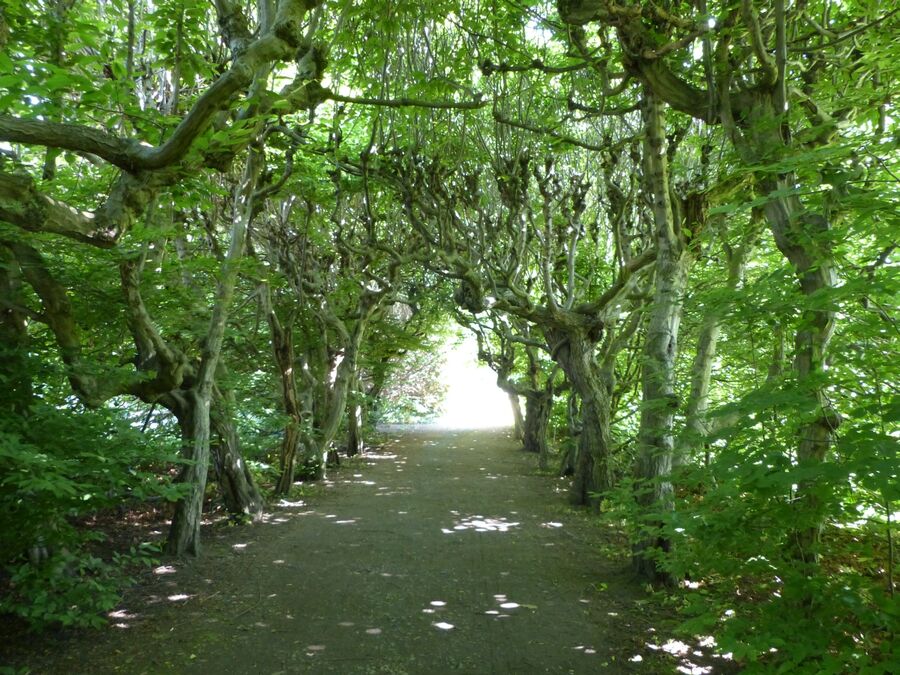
(442, 552)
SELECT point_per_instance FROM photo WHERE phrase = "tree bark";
(799, 236)
(337, 402)
(283, 350)
(803, 238)
(184, 533)
(656, 438)
(538, 406)
(574, 352)
(519, 424)
(242, 497)
(573, 432)
(355, 440)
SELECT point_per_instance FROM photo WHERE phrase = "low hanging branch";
(489, 68)
(146, 169)
(279, 43)
(404, 102)
(546, 131)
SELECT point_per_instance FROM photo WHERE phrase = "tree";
(772, 124)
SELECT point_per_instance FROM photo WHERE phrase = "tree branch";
(751, 19)
(632, 267)
(546, 131)
(406, 102)
(279, 43)
(488, 68)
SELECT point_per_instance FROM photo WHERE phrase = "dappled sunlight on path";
(443, 552)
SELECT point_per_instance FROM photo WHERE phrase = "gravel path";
(442, 552)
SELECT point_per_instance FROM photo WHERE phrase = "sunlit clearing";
(473, 400)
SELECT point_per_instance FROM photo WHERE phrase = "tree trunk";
(283, 350)
(574, 352)
(241, 496)
(193, 420)
(802, 238)
(593, 469)
(356, 444)
(290, 445)
(573, 432)
(15, 379)
(656, 438)
(538, 405)
(337, 405)
(518, 422)
(696, 426)
(184, 535)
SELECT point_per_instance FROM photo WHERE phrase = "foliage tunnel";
(230, 231)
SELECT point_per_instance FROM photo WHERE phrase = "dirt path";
(442, 552)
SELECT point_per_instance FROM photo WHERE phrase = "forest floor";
(443, 551)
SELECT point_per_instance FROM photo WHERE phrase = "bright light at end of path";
(473, 400)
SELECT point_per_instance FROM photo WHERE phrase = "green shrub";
(71, 588)
(732, 540)
(56, 467)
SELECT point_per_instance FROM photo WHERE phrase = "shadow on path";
(441, 552)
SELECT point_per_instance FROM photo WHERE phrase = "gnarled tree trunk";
(335, 398)
(538, 406)
(193, 420)
(283, 350)
(573, 432)
(239, 492)
(799, 235)
(574, 352)
(337, 403)
(803, 238)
